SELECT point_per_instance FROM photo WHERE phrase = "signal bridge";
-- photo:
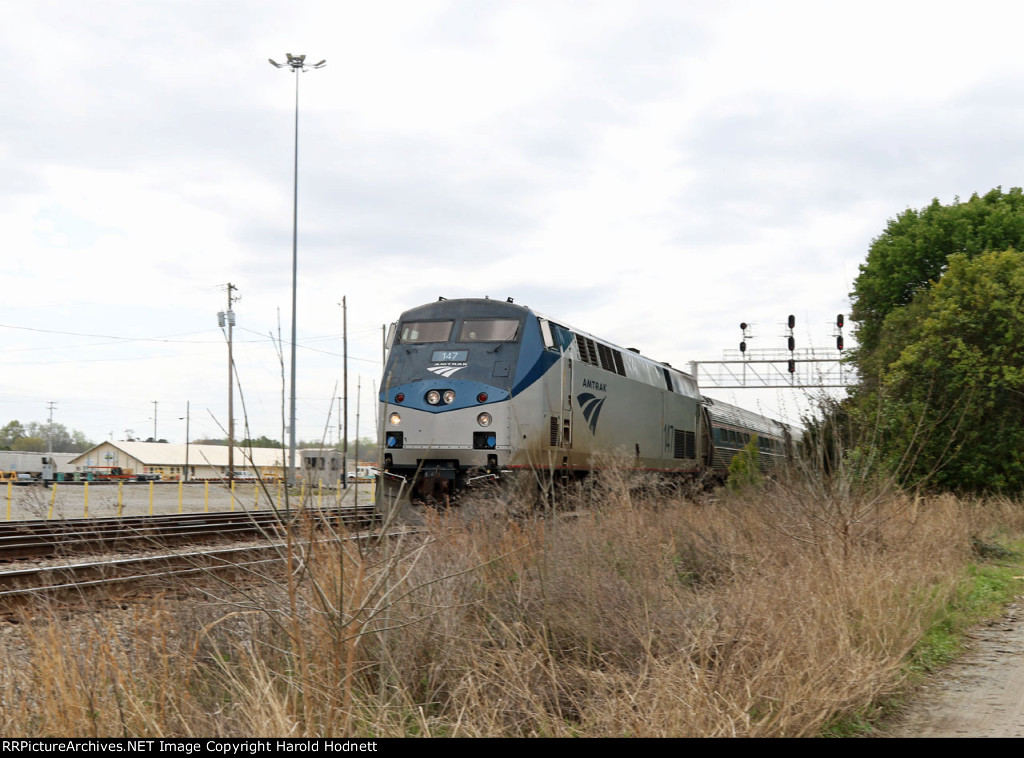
(767, 368)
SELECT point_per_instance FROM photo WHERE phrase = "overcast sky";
(650, 172)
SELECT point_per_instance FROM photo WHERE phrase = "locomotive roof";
(509, 306)
(471, 303)
(464, 304)
(732, 415)
(722, 412)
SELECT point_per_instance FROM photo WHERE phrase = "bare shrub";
(769, 613)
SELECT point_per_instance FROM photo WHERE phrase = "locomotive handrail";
(484, 476)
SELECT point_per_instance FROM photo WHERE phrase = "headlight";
(449, 397)
(484, 419)
(433, 397)
(395, 419)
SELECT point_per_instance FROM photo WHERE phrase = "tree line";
(939, 312)
(365, 443)
(38, 438)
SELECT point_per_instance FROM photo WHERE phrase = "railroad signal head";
(792, 367)
(791, 321)
(743, 347)
(839, 342)
(791, 343)
(839, 320)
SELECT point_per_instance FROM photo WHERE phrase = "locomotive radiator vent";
(684, 444)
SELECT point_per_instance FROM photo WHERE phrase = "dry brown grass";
(766, 614)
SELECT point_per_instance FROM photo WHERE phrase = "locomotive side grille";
(554, 431)
(588, 350)
(600, 355)
(620, 367)
(581, 342)
(684, 444)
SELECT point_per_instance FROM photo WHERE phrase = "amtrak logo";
(445, 371)
(591, 406)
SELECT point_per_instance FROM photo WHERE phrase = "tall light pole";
(297, 63)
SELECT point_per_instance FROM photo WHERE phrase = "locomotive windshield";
(489, 330)
(426, 331)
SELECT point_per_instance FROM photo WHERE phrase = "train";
(476, 390)
(17, 465)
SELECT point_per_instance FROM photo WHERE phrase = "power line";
(102, 336)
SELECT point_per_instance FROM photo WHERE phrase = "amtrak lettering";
(591, 406)
(591, 384)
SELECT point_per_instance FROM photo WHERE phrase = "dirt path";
(980, 696)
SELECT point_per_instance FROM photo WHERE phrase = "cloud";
(652, 173)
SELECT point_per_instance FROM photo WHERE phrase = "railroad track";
(35, 581)
(77, 578)
(73, 580)
(48, 538)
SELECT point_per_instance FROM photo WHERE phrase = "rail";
(37, 539)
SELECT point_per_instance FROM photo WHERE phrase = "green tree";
(10, 433)
(951, 378)
(745, 467)
(36, 437)
(30, 444)
(914, 250)
(261, 441)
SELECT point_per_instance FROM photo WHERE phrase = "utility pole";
(49, 429)
(188, 418)
(227, 319)
(339, 421)
(154, 420)
(344, 391)
(359, 392)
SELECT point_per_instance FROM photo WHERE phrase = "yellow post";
(120, 494)
(150, 497)
(181, 484)
(9, 501)
(53, 497)
(206, 499)
(86, 489)
(232, 495)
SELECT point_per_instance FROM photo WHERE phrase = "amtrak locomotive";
(478, 389)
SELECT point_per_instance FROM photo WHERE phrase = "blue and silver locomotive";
(478, 389)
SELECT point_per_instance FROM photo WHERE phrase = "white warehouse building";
(170, 461)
